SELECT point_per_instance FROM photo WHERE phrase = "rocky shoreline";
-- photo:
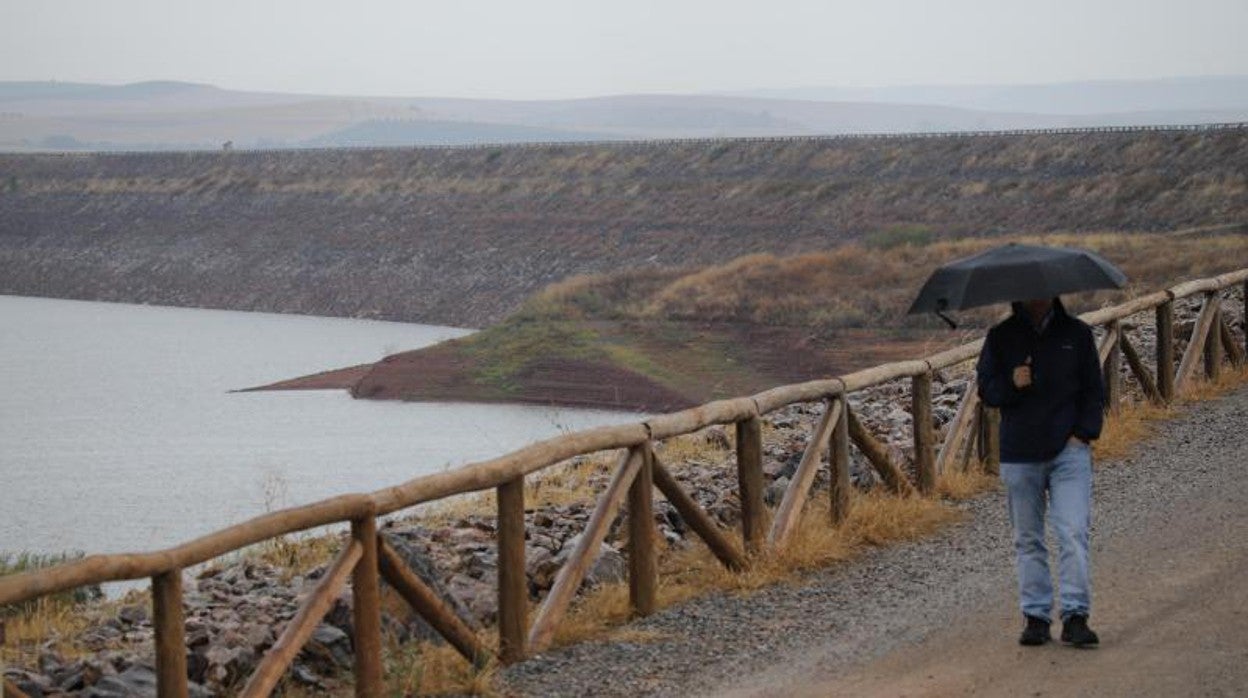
(235, 610)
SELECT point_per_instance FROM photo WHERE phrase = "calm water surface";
(118, 431)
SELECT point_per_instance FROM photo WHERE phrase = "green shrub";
(897, 235)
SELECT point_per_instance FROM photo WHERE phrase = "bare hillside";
(462, 236)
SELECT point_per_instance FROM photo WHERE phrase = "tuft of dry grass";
(434, 669)
(56, 623)
(53, 621)
(577, 481)
(879, 519)
(49, 622)
(1204, 389)
(295, 555)
(958, 485)
(597, 613)
(704, 445)
(1123, 431)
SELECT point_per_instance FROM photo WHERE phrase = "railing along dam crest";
(237, 153)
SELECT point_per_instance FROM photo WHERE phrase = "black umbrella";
(1013, 273)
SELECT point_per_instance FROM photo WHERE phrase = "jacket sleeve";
(996, 383)
(1091, 399)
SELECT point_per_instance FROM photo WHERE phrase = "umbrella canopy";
(1013, 273)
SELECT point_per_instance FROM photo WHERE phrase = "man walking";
(1041, 368)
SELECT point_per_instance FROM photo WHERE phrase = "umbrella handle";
(952, 325)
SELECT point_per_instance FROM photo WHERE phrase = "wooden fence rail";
(367, 558)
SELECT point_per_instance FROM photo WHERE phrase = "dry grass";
(964, 484)
(1136, 421)
(704, 446)
(694, 572)
(576, 481)
(53, 621)
(1123, 431)
(428, 669)
(56, 623)
(1201, 389)
(861, 285)
(295, 555)
(49, 622)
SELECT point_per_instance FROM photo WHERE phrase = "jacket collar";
(1020, 314)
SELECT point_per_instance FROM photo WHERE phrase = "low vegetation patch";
(52, 620)
(669, 338)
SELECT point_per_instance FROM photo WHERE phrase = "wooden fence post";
(170, 627)
(877, 454)
(720, 545)
(366, 593)
(1165, 351)
(1213, 345)
(1230, 345)
(789, 512)
(1195, 352)
(643, 564)
(1111, 370)
(1147, 383)
(990, 422)
(430, 605)
(921, 425)
(574, 570)
(838, 461)
(302, 626)
(750, 482)
(960, 432)
(513, 593)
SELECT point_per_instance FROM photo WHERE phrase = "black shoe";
(1036, 632)
(1075, 632)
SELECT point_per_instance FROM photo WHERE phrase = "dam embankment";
(461, 236)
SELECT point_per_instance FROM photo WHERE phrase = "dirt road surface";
(1171, 607)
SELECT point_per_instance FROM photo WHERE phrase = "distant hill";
(1215, 94)
(407, 132)
(166, 115)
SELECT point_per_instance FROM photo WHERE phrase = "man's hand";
(1022, 375)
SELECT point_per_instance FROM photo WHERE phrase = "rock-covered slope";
(461, 236)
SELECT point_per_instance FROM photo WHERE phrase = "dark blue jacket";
(1067, 394)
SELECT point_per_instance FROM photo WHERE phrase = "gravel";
(887, 598)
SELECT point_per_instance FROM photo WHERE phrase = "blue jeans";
(1067, 482)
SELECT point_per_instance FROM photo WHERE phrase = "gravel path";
(834, 623)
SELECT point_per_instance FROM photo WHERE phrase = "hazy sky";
(558, 48)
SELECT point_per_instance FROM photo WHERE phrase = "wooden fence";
(367, 558)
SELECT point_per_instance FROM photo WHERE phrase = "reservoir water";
(119, 433)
